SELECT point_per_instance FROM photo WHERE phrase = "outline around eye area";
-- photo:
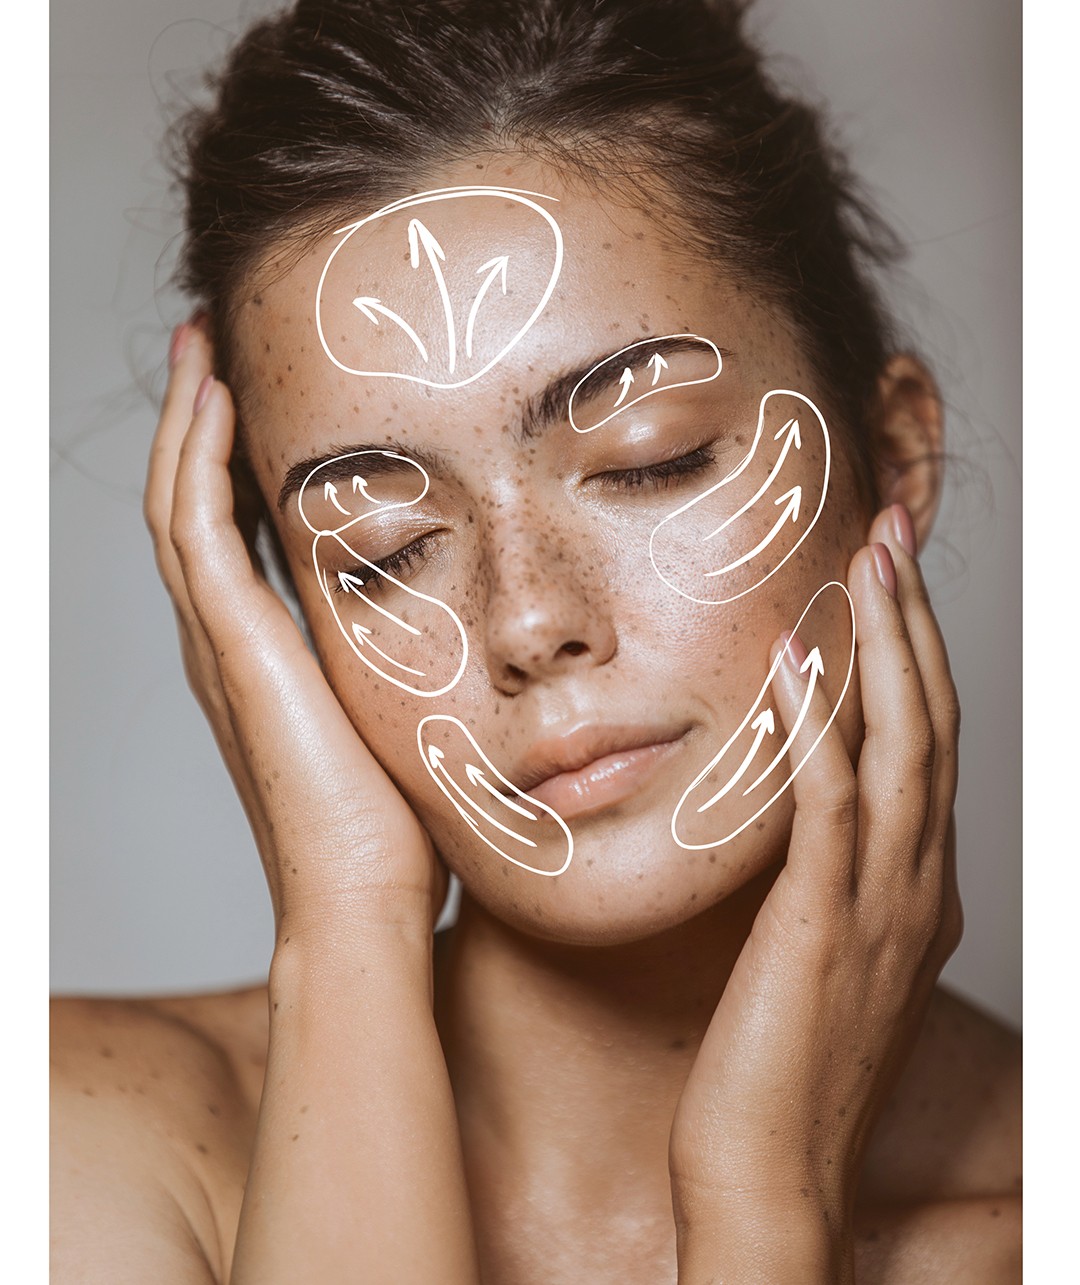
(380, 507)
(622, 405)
(434, 253)
(360, 646)
(753, 501)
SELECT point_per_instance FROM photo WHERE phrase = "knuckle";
(838, 803)
(920, 746)
(947, 713)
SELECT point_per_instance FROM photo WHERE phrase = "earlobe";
(910, 440)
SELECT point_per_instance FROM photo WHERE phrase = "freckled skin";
(566, 620)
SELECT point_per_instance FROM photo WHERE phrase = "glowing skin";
(541, 548)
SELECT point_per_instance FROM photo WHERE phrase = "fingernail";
(794, 651)
(904, 528)
(886, 568)
(203, 393)
(178, 344)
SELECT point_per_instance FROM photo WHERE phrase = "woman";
(539, 345)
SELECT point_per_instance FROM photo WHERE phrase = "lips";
(594, 767)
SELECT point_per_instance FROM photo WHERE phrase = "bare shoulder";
(154, 1102)
(942, 1179)
(952, 1127)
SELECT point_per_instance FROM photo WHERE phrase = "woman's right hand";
(338, 842)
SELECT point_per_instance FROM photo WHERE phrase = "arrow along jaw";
(733, 537)
(745, 786)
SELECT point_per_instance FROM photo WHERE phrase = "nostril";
(574, 648)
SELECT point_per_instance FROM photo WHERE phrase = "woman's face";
(517, 596)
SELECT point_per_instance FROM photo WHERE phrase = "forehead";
(449, 309)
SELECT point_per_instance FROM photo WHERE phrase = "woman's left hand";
(830, 990)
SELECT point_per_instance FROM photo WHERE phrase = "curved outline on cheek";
(622, 404)
(362, 646)
(432, 759)
(753, 718)
(420, 238)
(792, 428)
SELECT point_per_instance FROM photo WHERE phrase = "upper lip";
(578, 747)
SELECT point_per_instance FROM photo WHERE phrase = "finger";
(897, 760)
(191, 363)
(260, 657)
(894, 528)
(825, 829)
(221, 582)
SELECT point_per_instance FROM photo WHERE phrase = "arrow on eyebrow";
(548, 408)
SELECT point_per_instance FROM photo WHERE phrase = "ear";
(910, 440)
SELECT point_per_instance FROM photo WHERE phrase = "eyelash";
(401, 560)
(655, 475)
(659, 475)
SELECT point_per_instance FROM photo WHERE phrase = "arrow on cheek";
(435, 758)
(816, 666)
(793, 499)
(763, 726)
(793, 438)
(477, 777)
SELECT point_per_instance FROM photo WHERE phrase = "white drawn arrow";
(764, 725)
(436, 256)
(371, 306)
(794, 438)
(477, 777)
(435, 758)
(658, 364)
(362, 634)
(497, 267)
(473, 757)
(359, 484)
(816, 666)
(625, 379)
(353, 584)
(793, 499)
(330, 493)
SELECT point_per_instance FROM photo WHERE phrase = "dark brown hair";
(338, 106)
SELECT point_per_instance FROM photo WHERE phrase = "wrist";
(385, 959)
(738, 1236)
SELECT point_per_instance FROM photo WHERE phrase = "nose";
(547, 610)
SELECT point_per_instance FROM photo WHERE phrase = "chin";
(628, 879)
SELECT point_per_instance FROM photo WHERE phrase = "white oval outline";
(379, 506)
(642, 343)
(533, 803)
(328, 594)
(719, 602)
(422, 198)
(716, 843)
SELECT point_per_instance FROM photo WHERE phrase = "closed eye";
(398, 564)
(656, 476)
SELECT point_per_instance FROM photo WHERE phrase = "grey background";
(156, 885)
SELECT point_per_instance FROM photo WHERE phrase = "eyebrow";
(551, 405)
(541, 411)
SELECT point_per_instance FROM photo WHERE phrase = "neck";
(568, 1061)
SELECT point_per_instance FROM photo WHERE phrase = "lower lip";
(602, 783)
